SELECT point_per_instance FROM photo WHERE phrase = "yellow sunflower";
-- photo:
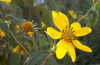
(6, 0)
(27, 26)
(73, 14)
(67, 35)
(18, 48)
(17, 28)
(42, 24)
(2, 34)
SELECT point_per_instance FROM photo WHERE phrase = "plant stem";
(93, 6)
(34, 44)
(47, 58)
(20, 44)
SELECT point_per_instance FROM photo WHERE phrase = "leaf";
(41, 40)
(67, 60)
(98, 7)
(46, 15)
(19, 3)
(4, 27)
(93, 13)
(51, 41)
(25, 13)
(52, 4)
(52, 61)
(31, 2)
(11, 40)
(14, 59)
(37, 56)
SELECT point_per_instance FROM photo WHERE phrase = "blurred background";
(17, 12)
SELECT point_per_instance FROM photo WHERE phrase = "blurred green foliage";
(19, 11)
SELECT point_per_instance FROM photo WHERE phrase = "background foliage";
(19, 11)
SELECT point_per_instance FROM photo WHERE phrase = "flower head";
(42, 24)
(67, 35)
(6, 0)
(27, 26)
(17, 28)
(18, 48)
(73, 14)
(2, 34)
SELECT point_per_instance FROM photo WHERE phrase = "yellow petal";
(61, 49)
(15, 50)
(53, 33)
(64, 20)
(73, 14)
(75, 25)
(6, 0)
(2, 34)
(17, 28)
(57, 20)
(81, 46)
(71, 51)
(30, 33)
(22, 51)
(82, 31)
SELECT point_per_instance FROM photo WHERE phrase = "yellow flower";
(6, 0)
(2, 34)
(17, 28)
(30, 33)
(18, 48)
(73, 14)
(42, 24)
(67, 35)
(27, 26)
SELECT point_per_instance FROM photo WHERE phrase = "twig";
(34, 44)
(47, 58)
(20, 44)
(87, 12)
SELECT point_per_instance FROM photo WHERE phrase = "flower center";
(68, 34)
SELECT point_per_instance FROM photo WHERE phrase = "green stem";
(93, 6)
(20, 44)
(34, 44)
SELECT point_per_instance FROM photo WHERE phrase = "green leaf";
(51, 41)
(52, 4)
(25, 13)
(67, 60)
(93, 13)
(4, 27)
(98, 7)
(52, 61)
(46, 15)
(37, 56)
(41, 40)
(19, 3)
(11, 40)
(14, 59)
(31, 2)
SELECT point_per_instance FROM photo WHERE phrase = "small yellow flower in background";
(6, 0)
(67, 35)
(30, 33)
(42, 24)
(73, 14)
(2, 34)
(27, 26)
(17, 28)
(18, 48)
